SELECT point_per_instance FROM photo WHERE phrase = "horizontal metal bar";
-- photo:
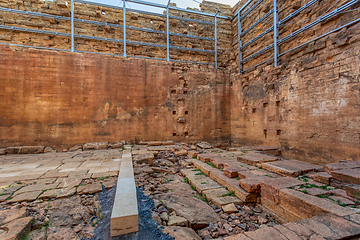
(191, 36)
(252, 8)
(34, 30)
(259, 52)
(191, 20)
(27, 46)
(145, 12)
(152, 4)
(258, 37)
(141, 57)
(173, 60)
(323, 18)
(297, 11)
(191, 49)
(145, 30)
(257, 22)
(242, 8)
(200, 13)
(271, 59)
(317, 38)
(98, 38)
(97, 23)
(33, 13)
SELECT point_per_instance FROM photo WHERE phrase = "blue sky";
(180, 3)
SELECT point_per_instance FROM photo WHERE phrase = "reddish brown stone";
(351, 176)
(256, 158)
(291, 168)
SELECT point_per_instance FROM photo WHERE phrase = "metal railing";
(250, 5)
(126, 41)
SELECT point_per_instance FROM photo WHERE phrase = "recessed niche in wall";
(271, 86)
(186, 112)
(278, 132)
(173, 91)
(185, 92)
(173, 112)
(186, 134)
(265, 104)
(174, 134)
(265, 133)
(278, 103)
(185, 85)
(254, 110)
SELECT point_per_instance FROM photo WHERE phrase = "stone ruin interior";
(221, 122)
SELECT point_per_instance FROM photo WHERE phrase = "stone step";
(341, 165)
(351, 176)
(353, 190)
(222, 179)
(291, 168)
(124, 216)
(200, 182)
(256, 159)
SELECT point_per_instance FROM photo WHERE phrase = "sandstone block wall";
(309, 105)
(61, 99)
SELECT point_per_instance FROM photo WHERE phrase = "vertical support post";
(124, 25)
(167, 33)
(72, 27)
(216, 53)
(240, 44)
(276, 34)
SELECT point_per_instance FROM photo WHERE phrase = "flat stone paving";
(26, 178)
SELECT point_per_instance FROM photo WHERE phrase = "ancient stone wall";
(61, 99)
(309, 105)
(115, 16)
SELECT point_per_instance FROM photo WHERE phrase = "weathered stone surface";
(76, 148)
(16, 229)
(2, 151)
(339, 225)
(237, 237)
(256, 158)
(200, 182)
(182, 152)
(13, 150)
(26, 196)
(181, 200)
(229, 208)
(291, 168)
(251, 185)
(204, 145)
(89, 188)
(353, 190)
(351, 176)
(323, 177)
(193, 154)
(181, 233)
(205, 157)
(9, 215)
(177, 221)
(287, 232)
(266, 233)
(341, 165)
(221, 201)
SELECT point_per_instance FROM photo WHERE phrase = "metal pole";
(72, 27)
(216, 57)
(167, 33)
(124, 25)
(276, 34)
(240, 44)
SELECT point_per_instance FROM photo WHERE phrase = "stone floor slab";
(255, 159)
(291, 168)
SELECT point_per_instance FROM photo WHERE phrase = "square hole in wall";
(185, 92)
(173, 112)
(186, 112)
(186, 134)
(265, 104)
(185, 85)
(173, 91)
(278, 103)
(278, 132)
(254, 110)
(265, 133)
(174, 134)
